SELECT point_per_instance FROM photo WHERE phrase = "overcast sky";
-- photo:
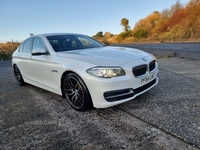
(19, 18)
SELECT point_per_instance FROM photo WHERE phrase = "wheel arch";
(13, 65)
(62, 79)
(20, 81)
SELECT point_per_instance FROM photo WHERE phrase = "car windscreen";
(72, 42)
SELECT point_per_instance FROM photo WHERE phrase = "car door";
(41, 68)
(24, 57)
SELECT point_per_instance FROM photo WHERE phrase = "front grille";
(118, 95)
(152, 65)
(142, 69)
(139, 70)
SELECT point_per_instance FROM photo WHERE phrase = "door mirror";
(39, 51)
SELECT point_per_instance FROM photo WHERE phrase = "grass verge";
(5, 55)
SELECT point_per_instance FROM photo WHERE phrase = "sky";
(19, 18)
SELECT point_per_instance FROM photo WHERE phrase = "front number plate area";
(147, 78)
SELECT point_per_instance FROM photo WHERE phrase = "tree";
(176, 7)
(125, 24)
(108, 35)
(165, 14)
(145, 27)
(99, 34)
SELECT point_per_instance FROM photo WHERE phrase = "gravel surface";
(164, 118)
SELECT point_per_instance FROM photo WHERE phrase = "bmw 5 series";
(84, 71)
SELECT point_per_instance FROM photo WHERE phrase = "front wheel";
(18, 76)
(76, 92)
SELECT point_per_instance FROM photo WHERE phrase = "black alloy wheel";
(76, 92)
(18, 76)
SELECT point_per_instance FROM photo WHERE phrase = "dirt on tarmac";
(165, 118)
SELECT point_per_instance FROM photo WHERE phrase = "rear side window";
(21, 47)
(28, 45)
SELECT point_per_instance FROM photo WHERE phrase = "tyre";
(18, 76)
(76, 92)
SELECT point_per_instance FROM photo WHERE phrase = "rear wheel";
(18, 76)
(76, 92)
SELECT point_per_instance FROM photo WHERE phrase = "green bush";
(141, 33)
(124, 35)
(5, 55)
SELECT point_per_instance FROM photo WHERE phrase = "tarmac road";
(189, 46)
(189, 50)
(165, 118)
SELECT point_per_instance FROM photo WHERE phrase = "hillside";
(177, 23)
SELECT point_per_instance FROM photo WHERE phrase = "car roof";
(54, 34)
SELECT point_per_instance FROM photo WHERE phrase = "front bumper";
(118, 95)
(109, 92)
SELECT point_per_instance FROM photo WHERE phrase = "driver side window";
(85, 42)
(38, 44)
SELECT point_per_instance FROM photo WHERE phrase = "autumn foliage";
(6, 49)
(177, 23)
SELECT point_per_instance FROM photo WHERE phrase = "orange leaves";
(8, 46)
(149, 22)
(175, 23)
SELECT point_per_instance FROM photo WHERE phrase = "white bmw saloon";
(84, 71)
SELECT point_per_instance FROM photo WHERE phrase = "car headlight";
(106, 72)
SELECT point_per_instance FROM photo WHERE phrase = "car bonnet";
(104, 56)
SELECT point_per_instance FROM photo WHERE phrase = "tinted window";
(28, 45)
(72, 42)
(38, 43)
(86, 42)
(21, 47)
